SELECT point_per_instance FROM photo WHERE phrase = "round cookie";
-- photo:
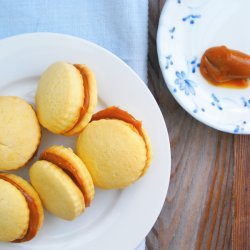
(14, 213)
(66, 97)
(20, 132)
(59, 97)
(56, 189)
(67, 160)
(21, 211)
(115, 152)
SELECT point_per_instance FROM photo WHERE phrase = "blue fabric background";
(117, 25)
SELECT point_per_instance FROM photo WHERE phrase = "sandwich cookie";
(63, 182)
(66, 98)
(21, 211)
(20, 132)
(115, 148)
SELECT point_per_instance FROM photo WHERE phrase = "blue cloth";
(117, 25)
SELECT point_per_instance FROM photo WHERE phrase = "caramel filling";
(34, 215)
(119, 114)
(225, 67)
(67, 167)
(86, 95)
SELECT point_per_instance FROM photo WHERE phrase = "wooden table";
(208, 201)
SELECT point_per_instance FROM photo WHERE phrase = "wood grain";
(203, 206)
(241, 225)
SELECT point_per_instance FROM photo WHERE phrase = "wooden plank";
(241, 192)
(197, 213)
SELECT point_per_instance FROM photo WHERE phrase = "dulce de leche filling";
(34, 215)
(119, 114)
(86, 94)
(225, 67)
(67, 167)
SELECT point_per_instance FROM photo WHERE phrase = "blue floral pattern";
(169, 61)
(171, 32)
(184, 83)
(240, 127)
(246, 103)
(194, 64)
(196, 110)
(191, 18)
(216, 102)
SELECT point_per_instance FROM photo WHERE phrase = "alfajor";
(63, 182)
(20, 132)
(115, 148)
(66, 98)
(21, 211)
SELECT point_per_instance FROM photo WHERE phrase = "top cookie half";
(61, 98)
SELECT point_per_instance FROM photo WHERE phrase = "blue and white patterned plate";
(186, 29)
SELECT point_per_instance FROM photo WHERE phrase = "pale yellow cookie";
(14, 213)
(59, 97)
(149, 151)
(67, 160)
(89, 83)
(33, 202)
(58, 192)
(19, 132)
(113, 151)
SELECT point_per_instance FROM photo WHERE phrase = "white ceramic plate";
(186, 29)
(116, 219)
